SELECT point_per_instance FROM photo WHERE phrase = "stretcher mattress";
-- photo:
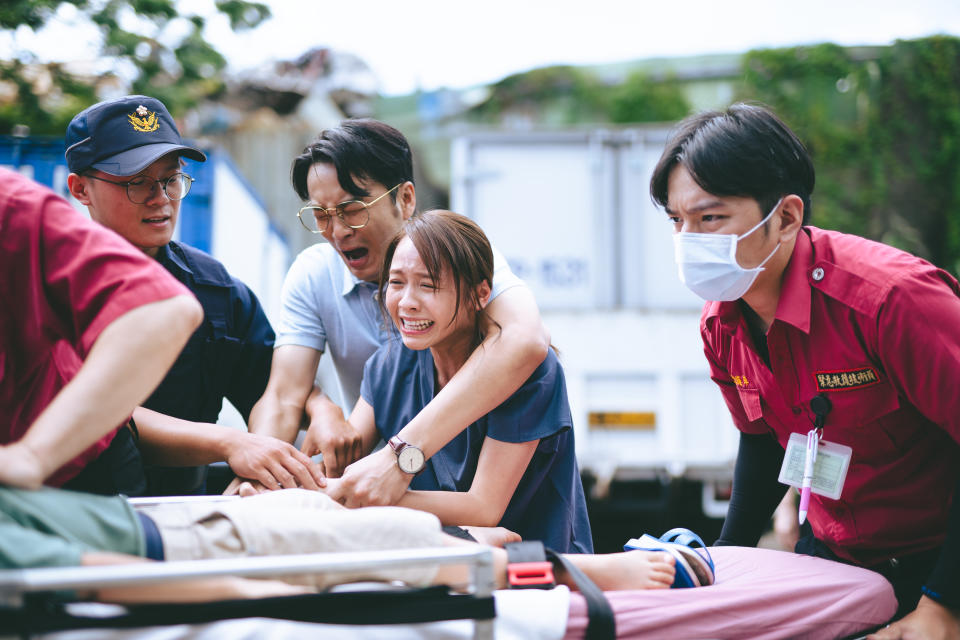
(760, 594)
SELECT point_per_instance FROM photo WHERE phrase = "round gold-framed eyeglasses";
(353, 213)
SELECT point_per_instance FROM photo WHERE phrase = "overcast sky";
(435, 43)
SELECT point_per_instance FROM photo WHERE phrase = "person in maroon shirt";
(88, 327)
(795, 313)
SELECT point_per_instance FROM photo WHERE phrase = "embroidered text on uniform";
(846, 379)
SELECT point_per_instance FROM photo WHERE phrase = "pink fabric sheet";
(760, 594)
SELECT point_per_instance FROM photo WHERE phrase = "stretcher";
(759, 593)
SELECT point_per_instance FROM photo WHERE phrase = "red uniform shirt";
(65, 279)
(878, 331)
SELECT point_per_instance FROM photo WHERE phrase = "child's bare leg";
(626, 570)
(610, 571)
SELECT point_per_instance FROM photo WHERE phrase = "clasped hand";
(274, 463)
(375, 480)
(337, 441)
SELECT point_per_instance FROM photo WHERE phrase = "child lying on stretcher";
(53, 527)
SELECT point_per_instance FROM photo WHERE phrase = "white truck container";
(572, 214)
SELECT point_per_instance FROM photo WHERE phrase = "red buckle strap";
(530, 575)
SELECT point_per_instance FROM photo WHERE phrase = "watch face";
(410, 459)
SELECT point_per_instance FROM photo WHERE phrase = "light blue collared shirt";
(325, 307)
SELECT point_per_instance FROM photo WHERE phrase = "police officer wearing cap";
(829, 347)
(126, 165)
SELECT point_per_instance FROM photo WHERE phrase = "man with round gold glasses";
(357, 179)
(353, 213)
(126, 162)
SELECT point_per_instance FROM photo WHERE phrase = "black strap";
(601, 624)
(458, 532)
(525, 551)
(42, 615)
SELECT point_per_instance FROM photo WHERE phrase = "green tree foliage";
(643, 99)
(564, 95)
(883, 127)
(559, 95)
(916, 125)
(814, 89)
(31, 13)
(180, 75)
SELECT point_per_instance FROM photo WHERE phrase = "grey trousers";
(293, 521)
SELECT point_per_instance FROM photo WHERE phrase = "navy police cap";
(123, 136)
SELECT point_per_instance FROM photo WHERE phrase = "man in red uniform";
(795, 313)
(88, 327)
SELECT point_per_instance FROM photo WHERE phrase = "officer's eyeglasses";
(353, 213)
(143, 188)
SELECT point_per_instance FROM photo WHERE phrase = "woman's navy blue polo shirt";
(548, 504)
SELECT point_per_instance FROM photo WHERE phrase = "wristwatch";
(410, 459)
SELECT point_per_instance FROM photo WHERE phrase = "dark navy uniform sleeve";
(255, 350)
(228, 356)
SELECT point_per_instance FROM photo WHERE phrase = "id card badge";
(829, 469)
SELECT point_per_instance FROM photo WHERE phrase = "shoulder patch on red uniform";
(844, 379)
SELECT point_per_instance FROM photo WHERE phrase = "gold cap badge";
(144, 120)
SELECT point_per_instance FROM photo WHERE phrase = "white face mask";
(708, 263)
